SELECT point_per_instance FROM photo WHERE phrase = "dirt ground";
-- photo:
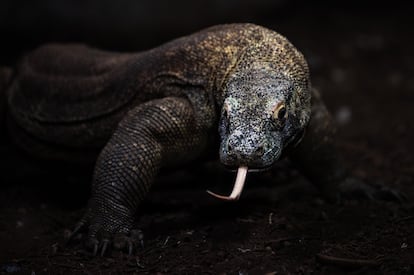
(363, 65)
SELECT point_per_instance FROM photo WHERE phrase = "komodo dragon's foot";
(106, 230)
(353, 187)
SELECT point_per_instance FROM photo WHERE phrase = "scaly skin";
(133, 114)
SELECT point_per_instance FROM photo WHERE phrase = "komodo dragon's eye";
(226, 110)
(279, 113)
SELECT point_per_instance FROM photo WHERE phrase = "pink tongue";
(238, 186)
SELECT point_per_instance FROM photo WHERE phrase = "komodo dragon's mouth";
(237, 188)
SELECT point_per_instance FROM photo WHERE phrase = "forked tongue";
(237, 188)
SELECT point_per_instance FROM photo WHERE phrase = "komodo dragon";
(134, 113)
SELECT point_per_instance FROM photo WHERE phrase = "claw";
(75, 231)
(136, 236)
(130, 248)
(104, 247)
(95, 249)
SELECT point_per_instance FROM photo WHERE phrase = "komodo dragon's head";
(266, 108)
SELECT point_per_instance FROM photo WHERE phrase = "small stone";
(395, 79)
(19, 224)
(244, 250)
(11, 268)
(338, 75)
(22, 210)
(55, 248)
(324, 216)
(343, 115)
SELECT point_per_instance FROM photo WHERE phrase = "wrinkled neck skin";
(261, 115)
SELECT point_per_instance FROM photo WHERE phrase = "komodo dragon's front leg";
(150, 136)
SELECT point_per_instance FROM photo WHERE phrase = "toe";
(390, 195)
(130, 248)
(120, 241)
(105, 244)
(92, 244)
(129, 241)
(79, 228)
(137, 238)
(356, 189)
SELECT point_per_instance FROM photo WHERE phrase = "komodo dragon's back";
(70, 83)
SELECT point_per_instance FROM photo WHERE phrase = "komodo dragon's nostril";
(232, 143)
(259, 151)
(229, 147)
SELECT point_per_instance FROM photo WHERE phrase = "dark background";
(361, 59)
(134, 25)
